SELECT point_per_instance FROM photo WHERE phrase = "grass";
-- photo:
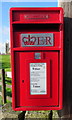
(0, 88)
(5, 64)
(8, 101)
(0, 61)
(0, 100)
(8, 92)
(0, 77)
(8, 81)
(7, 69)
(4, 61)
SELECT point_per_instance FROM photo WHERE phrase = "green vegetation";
(4, 61)
(0, 77)
(5, 64)
(8, 92)
(8, 81)
(0, 100)
(7, 69)
(8, 101)
(0, 88)
(0, 61)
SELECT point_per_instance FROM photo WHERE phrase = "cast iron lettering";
(42, 39)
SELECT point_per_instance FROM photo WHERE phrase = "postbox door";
(40, 72)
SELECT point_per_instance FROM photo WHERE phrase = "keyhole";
(22, 81)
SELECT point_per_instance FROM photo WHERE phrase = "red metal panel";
(51, 98)
(37, 15)
(36, 21)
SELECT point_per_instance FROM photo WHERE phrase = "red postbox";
(37, 58)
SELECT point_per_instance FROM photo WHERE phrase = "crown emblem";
(29, 40)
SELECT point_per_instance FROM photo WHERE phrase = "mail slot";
(37, 58)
